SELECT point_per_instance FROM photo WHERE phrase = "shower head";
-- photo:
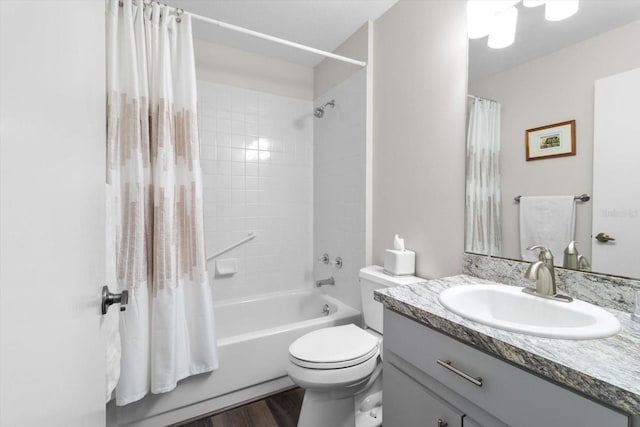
(319, 112)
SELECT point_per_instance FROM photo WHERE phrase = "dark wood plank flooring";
(279, 410)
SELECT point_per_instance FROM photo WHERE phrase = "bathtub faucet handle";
(324, 259)
(323, 282)
(338, 262)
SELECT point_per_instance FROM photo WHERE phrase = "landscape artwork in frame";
(550, 141)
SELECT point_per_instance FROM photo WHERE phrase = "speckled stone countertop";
(605, 369)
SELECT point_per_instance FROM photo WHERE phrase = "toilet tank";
(372, 278)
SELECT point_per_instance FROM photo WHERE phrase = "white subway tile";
(260, 184)
(237, 168)
(223, 139)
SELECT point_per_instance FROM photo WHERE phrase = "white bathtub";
(254, 335)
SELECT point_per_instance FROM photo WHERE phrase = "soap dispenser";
(571, 257)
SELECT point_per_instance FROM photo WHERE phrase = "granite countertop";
(606, 369)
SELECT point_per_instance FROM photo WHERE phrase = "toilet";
(340, 367)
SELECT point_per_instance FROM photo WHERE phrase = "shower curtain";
(154, 186)
(483, 229)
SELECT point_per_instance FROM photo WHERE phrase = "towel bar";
(581, 198)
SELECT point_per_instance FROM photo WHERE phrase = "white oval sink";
(507, 307)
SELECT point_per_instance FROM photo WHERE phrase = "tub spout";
(329, 281)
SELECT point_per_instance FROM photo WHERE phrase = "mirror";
(547, 77)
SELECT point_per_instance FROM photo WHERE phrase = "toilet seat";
(334, 348)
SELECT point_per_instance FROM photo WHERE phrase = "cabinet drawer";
(513, 395)
(408, 404)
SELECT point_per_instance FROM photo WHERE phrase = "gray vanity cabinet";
(424, 376)
(409, 403)
(468, 422)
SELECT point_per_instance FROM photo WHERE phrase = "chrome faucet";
(542, 271)
(573, 260)
(329, 281)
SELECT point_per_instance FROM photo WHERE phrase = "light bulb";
(557, 10)
(481, 15)
(503, 31)
(478, 20)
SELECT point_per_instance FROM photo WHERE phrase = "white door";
(616, 175)
(52, 167)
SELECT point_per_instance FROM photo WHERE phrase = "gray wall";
(331, 72)
(339, 197)
(420, 82)
(340, 167)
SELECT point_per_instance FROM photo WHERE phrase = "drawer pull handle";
(442, 423)
(447, 364)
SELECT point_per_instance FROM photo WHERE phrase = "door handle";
(603, 237)
(442, 423)
(109, 298)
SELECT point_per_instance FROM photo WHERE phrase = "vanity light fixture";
(478, 20)
(555, 10)
(558, 10)
(482, 16)
(497, 18)
(504, 29)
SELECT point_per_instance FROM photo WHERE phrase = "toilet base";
(322, 409)
(368, 407)
(359, 405)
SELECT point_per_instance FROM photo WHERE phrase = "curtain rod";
(264, 36)
(480, 98)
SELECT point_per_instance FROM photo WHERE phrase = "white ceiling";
(536, 37)
(323, 24)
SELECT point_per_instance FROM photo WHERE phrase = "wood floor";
(279, 410)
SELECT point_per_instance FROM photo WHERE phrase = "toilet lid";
(335, 347)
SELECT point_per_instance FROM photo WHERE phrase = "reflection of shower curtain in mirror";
(483, 231)
(155, 188)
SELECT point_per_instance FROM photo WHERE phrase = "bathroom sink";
(507, 307)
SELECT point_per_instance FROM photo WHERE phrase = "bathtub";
(254, 335)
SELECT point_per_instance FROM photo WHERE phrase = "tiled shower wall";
(257, 162)
(339, 186)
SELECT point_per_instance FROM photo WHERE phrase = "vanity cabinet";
(409, 403)
(429, 376)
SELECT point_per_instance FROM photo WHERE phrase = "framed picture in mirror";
(556, 140)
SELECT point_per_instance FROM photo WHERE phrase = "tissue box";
(399, 263)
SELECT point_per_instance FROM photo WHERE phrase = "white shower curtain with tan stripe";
(483, 226)
(154, 184)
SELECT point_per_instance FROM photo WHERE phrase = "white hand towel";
(549, 221)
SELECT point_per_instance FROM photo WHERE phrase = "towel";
(549, 221)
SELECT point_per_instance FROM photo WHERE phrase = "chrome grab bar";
(251, 236)
(473, 380)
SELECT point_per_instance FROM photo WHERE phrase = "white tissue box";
(399, 263)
